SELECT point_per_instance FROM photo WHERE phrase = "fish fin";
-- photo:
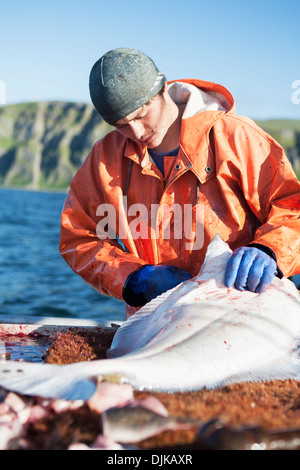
(122, 342)
(285, 368)
(216, 257)
(45, 380)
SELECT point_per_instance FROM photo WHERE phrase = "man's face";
(149, 124)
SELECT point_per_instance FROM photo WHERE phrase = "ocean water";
(34, 278)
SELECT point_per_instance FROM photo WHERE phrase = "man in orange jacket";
(179, 168)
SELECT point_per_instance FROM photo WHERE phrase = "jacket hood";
(199, 96)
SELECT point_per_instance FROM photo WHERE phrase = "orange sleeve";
(102, 263)
(272, 191)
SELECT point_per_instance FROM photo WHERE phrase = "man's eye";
(143, 115)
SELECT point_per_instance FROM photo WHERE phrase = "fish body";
(198, 334)
(133, 424)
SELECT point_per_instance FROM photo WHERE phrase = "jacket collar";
(195, 154)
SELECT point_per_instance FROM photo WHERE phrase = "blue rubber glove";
(249, 268)
(149, 281)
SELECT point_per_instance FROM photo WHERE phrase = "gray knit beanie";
(122, 81)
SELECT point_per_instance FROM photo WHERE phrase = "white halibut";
(199, 334)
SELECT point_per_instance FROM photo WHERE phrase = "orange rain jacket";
(234, 179)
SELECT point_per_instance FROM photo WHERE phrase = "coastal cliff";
(43, 144)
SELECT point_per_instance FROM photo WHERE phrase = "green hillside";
(283, 130)
(287, 133)
(43, 144)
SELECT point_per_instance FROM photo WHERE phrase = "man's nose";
(137, 129)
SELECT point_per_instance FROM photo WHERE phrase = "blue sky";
(48, 47)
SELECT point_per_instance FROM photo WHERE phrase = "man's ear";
(164, 90)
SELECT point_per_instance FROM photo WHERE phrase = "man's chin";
(155, 142)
